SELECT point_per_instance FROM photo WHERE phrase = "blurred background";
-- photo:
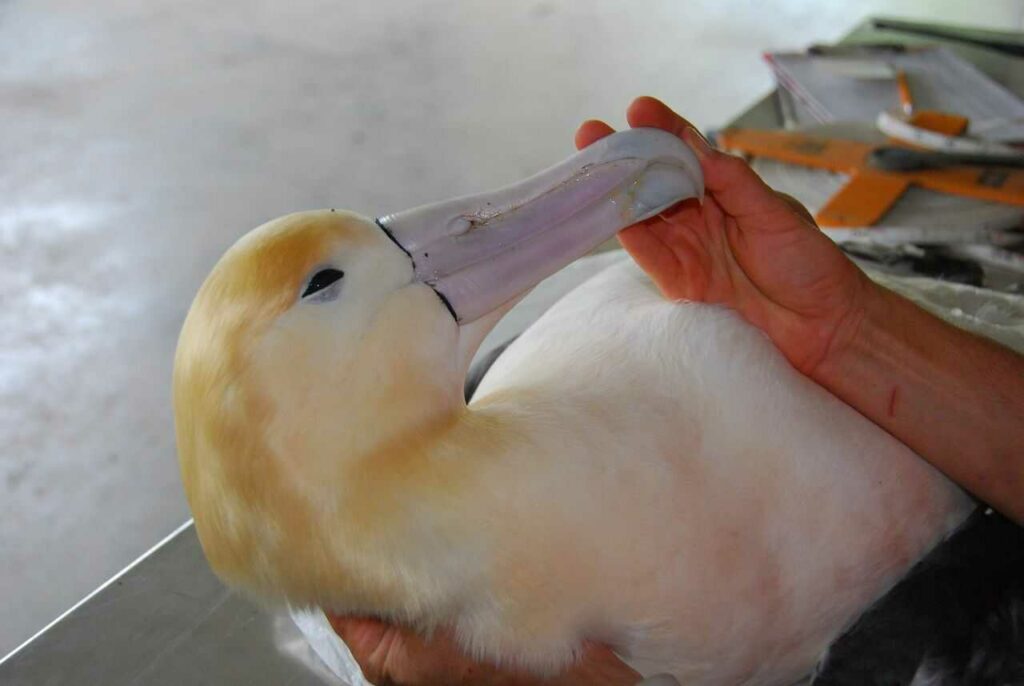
(140, 139)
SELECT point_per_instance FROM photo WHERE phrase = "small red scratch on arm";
(893, 397)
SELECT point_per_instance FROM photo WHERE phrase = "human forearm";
(954, 398)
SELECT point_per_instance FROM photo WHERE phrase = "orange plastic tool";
(939, 122)
(870, 192)
(906, 101)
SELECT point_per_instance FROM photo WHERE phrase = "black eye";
(321, 280)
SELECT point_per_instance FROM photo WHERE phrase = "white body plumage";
(682, 492)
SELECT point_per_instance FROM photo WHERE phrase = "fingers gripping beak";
(480, 252)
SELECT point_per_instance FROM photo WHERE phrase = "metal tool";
(895, 158)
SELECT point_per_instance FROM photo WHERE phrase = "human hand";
(747, 247)
(389, 654)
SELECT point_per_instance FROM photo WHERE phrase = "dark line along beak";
(481, 251)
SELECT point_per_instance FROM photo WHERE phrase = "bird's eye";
(324, 285)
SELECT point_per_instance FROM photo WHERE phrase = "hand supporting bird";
(746, 246)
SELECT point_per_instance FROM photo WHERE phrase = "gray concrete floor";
(139, 139)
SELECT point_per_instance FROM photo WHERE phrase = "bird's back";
(739, 516)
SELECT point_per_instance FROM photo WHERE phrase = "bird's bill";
(482, 251)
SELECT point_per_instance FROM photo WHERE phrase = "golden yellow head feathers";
(278, 398)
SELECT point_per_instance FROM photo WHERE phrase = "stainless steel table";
(166, 619)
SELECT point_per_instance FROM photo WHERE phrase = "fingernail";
(700, 145)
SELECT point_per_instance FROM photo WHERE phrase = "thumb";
(736, 187)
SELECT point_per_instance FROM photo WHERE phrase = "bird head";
(325, 355)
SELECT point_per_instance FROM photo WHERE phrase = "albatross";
(648, 474)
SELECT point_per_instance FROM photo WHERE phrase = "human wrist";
(857, 336)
